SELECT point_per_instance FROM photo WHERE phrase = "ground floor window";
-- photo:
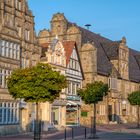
(72, 115)
(9, 112)
(102, 110)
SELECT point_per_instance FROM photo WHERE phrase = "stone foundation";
(10, 129)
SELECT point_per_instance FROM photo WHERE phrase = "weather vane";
(88, 25)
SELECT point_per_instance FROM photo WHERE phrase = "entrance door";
(55, 115)
(110, 112)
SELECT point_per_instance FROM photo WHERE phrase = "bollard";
(85, 133)
(65, 137)
(72, 133)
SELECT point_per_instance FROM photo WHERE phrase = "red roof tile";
(68, 46)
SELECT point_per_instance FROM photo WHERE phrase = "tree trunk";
(94, 121)
(37, 111)
(107, 112)
(138, 118)
(37, 124)
(93, 129)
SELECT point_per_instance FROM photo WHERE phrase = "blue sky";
(110, 18)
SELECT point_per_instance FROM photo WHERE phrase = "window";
(73, 89)
(77, 65)
(0, 77)
(134, 110)
(77, 87)
(0, 115)
(25, 62)
(102, 110)
(113, 83)
(33, 62)
(19, 31)
(10, 50)
(8, 114)
(27, 35)
(18, 4)
(69, 87)
(3, 48)
(3, 76)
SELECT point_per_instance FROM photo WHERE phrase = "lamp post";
(124, 107)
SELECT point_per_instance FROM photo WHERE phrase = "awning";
(71, 109)
(72, 103)
(59, 103)
(65, 103)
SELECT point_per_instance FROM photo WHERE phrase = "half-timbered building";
(64, 56)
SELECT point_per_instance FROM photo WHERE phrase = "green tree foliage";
(36, 84)
(134, 99)
(94, 92)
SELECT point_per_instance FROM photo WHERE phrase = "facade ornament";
(123, 40)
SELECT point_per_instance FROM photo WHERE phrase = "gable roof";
(68, 46)
(134, 65)
(105, 50)
(109, 50)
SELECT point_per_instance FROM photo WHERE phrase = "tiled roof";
(134, 67)
(108, 50)
(68, 46)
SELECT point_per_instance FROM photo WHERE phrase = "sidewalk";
(105, 132)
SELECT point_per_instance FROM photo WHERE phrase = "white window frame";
(6, 113)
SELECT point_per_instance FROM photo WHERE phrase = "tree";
(134, 99)
(36, 84)
(92, 94)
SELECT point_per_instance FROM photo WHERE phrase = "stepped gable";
(109, 50)
(134, 65)
(106, 50)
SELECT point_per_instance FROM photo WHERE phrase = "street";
(104, 132)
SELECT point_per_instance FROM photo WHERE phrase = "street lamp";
(124, 102)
